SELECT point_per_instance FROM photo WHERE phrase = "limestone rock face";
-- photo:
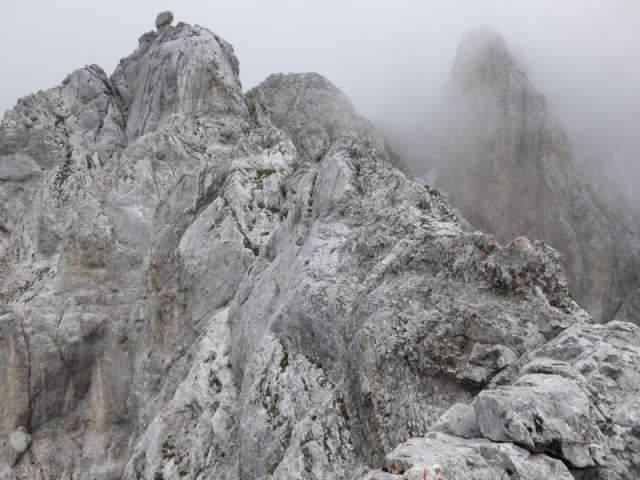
(575, 399)
(186, 70)
(509, 169)
(437, 455)
(92, 334)
(312, 111)
(602, 362)
(199, 283)
(542, 413)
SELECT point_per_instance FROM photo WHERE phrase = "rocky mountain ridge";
(199, 283)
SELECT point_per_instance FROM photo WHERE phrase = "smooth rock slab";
(542, 413)
(442, 456)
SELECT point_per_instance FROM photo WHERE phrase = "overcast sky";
(584, 54)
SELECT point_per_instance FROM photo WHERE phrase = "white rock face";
(442, 456)
(198, 283)
(186, 70)
(542, 413)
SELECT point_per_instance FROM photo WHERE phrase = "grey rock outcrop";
(199, 283)
(441, 456)
(81, 183)
(180, 71)
(575, 399)
(509, 169)
(542, 412)
(602, 361)
(312, 111)
(164, 19)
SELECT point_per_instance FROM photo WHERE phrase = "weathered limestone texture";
(198, 283)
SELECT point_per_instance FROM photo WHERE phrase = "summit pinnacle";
(164, 18)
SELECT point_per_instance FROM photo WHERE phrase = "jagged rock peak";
(164, 18)
(181, 70)
(312, 110)
(509, 169)
(483, 59)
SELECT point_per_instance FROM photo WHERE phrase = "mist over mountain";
(510, 170)
(390, 59)
(600, 149)
(583, 62)
(198, 281)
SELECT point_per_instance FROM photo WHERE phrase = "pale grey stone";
(441, 456)
(209, 87)
(603, 362)
(459, 420)
(542, 413)
(11, 448)
(198, 283)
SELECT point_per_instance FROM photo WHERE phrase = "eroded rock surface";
(199, 283)
(441, 456)
(575, 399)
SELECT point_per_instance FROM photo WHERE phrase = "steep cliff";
(508, 167)
(199, 283)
